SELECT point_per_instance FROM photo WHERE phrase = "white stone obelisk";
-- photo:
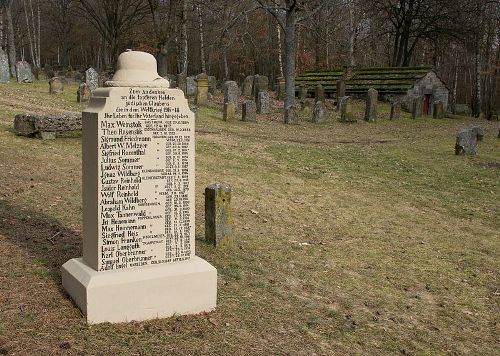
(138, 203)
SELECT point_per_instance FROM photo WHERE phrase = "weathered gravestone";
(231, 93)
(281, 88)
(438, 110)
(319, 93)
(218, 214)
(56, 85)
(417, 107)
(92, 79)
(260, 83)
(291, 115)
(371, 105)
(319, 112)
(249, 111)
(340, 92)
(4, 67)
(466, 142)
(228, 112)
(395, 110)
(24, 73)
(302, 92)
(263, 102)
(202, 90)
(247, 89)
(138, 203)
(37, 125)
(190, 86)
(346, 112)
(83, 93)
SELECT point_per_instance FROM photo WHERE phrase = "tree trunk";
(10, 38)
(290, 52)
(352, 34)
(202, 41)
(162, 59)
(184, 40)
(280, 52)
(477, 84)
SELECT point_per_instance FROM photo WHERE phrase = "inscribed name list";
(146, 179)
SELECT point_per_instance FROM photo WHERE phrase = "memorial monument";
(138, 203)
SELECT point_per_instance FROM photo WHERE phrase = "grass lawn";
(365, 238)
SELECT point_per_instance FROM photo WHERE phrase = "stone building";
(400, 83)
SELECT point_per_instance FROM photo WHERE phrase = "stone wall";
(430, 84)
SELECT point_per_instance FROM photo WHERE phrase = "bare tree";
(7, 6)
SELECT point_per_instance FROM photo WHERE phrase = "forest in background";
(232, 39)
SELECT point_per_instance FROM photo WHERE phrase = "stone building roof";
(386, 80)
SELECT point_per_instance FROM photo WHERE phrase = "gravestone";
(218, 214)
(281, 88)
(230, 89)
(190, 86)
(319, 93)
(346, 113)
(340, 92)
(291, 115)
(91, 79)
(83, 93)
(438, 110)
(212, 84)
(249, 111)
(247, 89)
(371, 105)
(395, 110)
(260, 83)
(4, 67)
(466, 142)
(417, 107)
(319, 112)
(56, 85)
(202, 90)
(138, 203)
(302, 93)
(263, 102)
(24, 73)
(229, 112)
(34, 125)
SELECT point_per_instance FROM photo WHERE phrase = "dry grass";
(369, 238)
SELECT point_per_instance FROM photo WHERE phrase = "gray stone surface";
(247, 88)
(218, 214)
(190, 86)
(229, 112)
(346, 113)
(4, 67)
(319, 112)
(56, 85)
(291, 115)
(395, 110)
(417, 107)
(249, 111)
(466, 142)
(92, 79)
(438, 111)
(263, 102)
(260, 83)
(231, 92)
(24, 73)
(319, 93)
(302, 93)
(34, 124)
(83, 93)
(371, 105)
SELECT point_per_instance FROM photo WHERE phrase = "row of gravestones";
(23, 70)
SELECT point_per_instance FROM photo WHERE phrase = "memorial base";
(180, 288)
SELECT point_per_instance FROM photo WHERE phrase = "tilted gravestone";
(249, 111)
(395, 110)
(138, 203)
(24, 73)
(4, 67)
(466, 142)
(247, 88)
(438, 110)
(346, 112)
(92, 79)
(319, 112)
(218, 214)
(319, 93)
(263, 102)
(371, 105)
(56, 85)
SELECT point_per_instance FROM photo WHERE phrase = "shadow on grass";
(45, 239)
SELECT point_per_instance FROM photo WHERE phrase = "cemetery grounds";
(366, 238)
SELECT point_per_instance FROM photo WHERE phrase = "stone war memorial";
(139, 259)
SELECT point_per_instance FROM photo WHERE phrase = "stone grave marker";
(260, 83)
(138, 203)
(202, 90)
(395, 110)
(281, 88)
(83, 93)
(319, 93)
(229, 112)
(263, 102)
(4, 67)
(340, 92)
(438, 110)
(417, 107)
(24, 73)
(302, 92)
(371, 105)
(319, 112)
(190, 86)
(466, 142)
(346, 113)
(92, 79)
(249, 111)
(56, 85)
(247, 89)
(291, 115)
(218, 214)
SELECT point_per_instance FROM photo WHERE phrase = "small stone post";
(371, 105)
(263, 102)
(218, 214)
(249, 111)
(438, 111)
(395, 110)
(416, 110)
(281, 88)
(229, 112)
(202, 90)
(319, 112)
(340, 92)
(319, 93)
(346, 114)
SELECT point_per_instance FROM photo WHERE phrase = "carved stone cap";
(137, 69)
